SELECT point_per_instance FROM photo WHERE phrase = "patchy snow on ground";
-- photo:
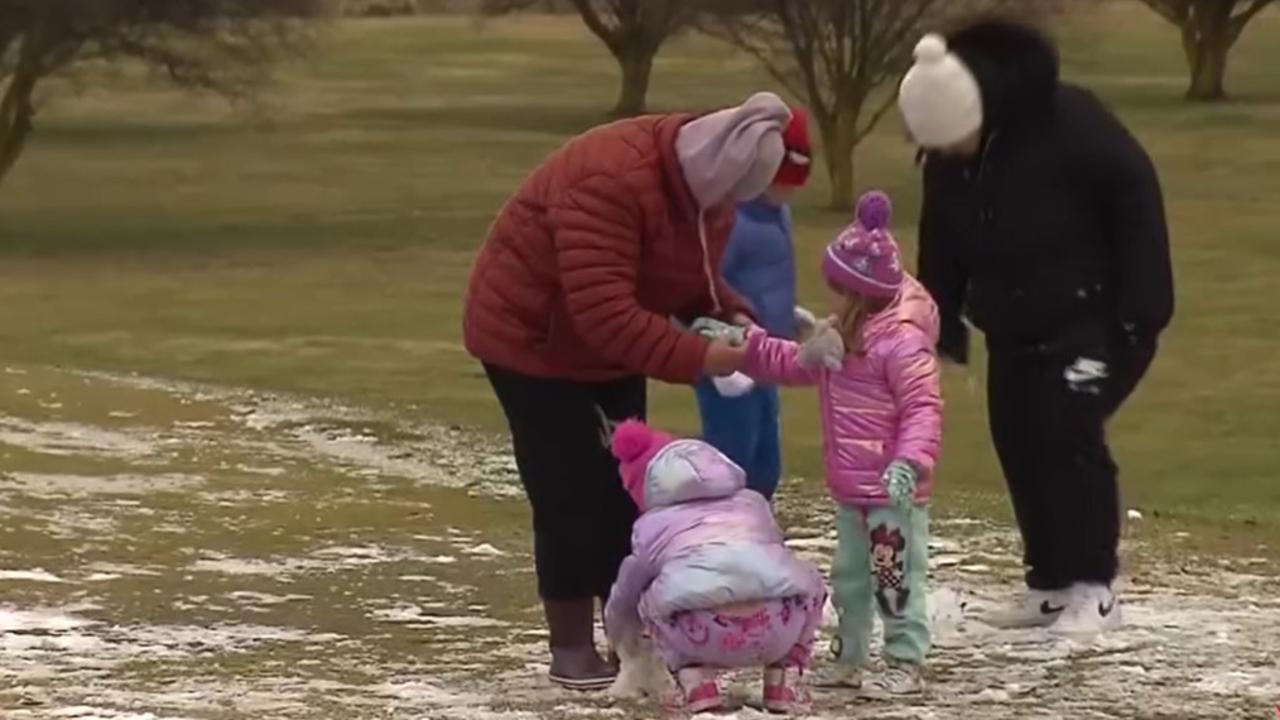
(179, 552)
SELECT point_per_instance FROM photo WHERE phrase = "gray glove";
(735, 385)
(712, 329)
(824, 348)
(805, 322)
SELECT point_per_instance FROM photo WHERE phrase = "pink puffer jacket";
(883, 405)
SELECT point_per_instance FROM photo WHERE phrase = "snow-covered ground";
(168, 552)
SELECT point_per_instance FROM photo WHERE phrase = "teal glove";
(712, 329)
(900, 480)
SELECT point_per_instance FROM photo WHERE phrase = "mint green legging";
(882, 562)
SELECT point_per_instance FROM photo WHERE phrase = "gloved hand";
(735, 385)
(712, 329)
(900, 480)
(824, 348)
(805, 322)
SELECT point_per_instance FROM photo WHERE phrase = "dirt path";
(177, 552)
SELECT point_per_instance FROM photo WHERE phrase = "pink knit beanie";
(864, 258)
(635, 445)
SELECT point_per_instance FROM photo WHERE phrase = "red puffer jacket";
(588, 261)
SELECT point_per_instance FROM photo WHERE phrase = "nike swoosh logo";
(1076, 377)
(1047, 609)
(1104, 609)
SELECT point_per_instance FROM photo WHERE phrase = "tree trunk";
(1207, 41)
(839, 140)
(636, 64)
(16, 108)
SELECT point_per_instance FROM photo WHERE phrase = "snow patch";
(36, 575)
(58, 486)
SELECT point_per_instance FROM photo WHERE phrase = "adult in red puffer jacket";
(569, 308)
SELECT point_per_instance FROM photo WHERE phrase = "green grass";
(320, 243)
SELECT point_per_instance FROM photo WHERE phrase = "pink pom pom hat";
(864, 258)
(635, 445)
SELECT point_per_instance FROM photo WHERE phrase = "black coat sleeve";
(944, 270)
(1128, 191)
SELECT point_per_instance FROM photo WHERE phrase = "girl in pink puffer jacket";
(877, 374)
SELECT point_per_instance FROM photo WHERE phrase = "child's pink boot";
(785, 691)
(698, 692)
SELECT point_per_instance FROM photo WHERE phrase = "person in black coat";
(1043, 226)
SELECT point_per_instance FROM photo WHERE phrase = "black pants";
(1048, 418)
(582, 516)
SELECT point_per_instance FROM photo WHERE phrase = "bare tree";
(1210, 28)
(217, 45)
(632, 30)
(842, 58)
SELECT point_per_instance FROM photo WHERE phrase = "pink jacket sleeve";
(621, 612)
(775, 361)
(914, 377)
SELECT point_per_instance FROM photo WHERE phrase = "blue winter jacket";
(760, 264)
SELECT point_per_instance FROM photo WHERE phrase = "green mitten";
(713, 329)
(900, 480)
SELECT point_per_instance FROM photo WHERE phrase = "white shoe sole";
(1006, 623)
(878, 695)
(1111, 623)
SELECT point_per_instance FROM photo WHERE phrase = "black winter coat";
(1056, 232)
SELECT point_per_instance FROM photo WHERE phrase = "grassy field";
(320, 244)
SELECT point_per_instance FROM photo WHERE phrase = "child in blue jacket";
(739, 418)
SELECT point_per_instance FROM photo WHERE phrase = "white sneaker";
(1031, 609)
(838, 676)
(1091, 609)
(898, 680)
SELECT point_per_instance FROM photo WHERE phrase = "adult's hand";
(723, 359)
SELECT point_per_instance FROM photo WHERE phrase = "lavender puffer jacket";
(885, 404)
(704, 541)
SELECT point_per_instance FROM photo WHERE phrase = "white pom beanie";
(939, 97)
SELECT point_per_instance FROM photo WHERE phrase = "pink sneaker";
(784, 691)
(699, 691)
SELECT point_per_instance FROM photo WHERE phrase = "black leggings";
(1048, 422)
(582, 516)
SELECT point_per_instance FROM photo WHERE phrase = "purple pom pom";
(874, 210)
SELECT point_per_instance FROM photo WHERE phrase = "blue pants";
(747, 430)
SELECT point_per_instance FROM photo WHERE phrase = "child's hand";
(712, 329)
(735, 385)
(824, 348)
(900, 480)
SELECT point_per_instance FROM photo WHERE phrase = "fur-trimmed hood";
(1016, 66)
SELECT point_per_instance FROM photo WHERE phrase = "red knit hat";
(798, 161)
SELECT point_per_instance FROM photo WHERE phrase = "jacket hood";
(688, 470)
(1016, 66)
(734, 153)
(913, 306)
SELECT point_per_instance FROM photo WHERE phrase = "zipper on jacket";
(984, 212)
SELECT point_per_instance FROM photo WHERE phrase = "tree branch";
(596, 24)
(876, 116)
(1238, 22)
(1175, 11)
